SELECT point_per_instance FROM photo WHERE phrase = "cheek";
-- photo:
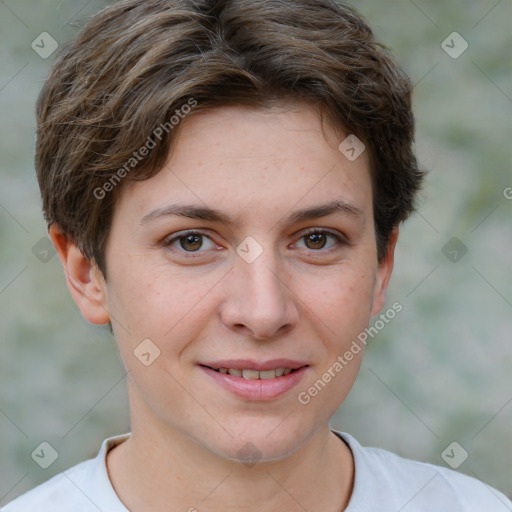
(341, 312)
(342, 300)
(170, 308)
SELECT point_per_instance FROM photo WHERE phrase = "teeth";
(255, 374)
(250, 374)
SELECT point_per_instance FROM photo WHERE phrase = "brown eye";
(191, 242)
(315, 240)
(322, 241)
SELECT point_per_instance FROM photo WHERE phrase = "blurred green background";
(439, 372)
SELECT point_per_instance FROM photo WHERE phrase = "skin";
(302, 298)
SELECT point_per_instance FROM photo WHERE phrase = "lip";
(247, 364)
(257, 389)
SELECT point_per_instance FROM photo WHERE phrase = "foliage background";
(439, 372)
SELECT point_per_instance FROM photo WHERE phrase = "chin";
(255, 441)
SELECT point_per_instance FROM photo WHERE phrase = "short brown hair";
(137, 62)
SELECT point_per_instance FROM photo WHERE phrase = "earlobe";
(384, 271)
(85, 281)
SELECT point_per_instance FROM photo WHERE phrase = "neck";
(160, 470)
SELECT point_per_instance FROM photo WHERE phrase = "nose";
(260, 302)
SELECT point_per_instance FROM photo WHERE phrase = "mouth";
(256, 381)
(247, 373)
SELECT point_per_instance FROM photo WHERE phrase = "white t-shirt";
(383, 482)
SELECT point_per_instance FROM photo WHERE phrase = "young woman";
(224, 182)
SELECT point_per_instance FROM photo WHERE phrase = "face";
(252, 249)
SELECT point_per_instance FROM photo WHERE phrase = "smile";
(256, 381)
(255, 374)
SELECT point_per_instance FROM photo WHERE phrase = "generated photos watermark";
(304, 397)
(145, 149)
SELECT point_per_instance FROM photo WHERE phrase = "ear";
(85, 280)
(384, 271)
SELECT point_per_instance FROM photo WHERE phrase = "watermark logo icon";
(249, 250)
(45, 455)
(44, 250)
(454, 249)
(352, 147)
(44, 45)
(146, 352)
(249, 455)
(454, 45)
(454, 455)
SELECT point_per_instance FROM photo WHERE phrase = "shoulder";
(85, 487)
(417, 486)
(59, 491)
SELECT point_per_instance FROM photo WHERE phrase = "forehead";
(238, 157)
(271, 132)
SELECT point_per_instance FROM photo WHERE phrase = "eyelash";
(340, 241)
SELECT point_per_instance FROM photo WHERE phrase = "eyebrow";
(211, 214)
